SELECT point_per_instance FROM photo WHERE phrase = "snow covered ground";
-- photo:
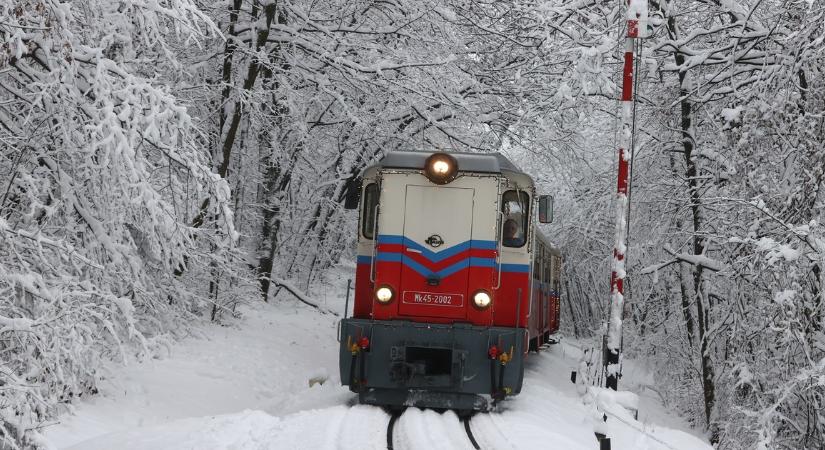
(247, 386)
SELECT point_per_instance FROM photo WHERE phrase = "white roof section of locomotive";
(469, 162)
(493, 163)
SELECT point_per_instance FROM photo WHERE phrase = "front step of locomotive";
(452, 366)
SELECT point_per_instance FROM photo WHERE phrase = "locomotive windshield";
(515, 206)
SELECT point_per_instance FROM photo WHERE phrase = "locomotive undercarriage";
(452, 366)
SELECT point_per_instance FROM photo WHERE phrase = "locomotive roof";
(467, 162)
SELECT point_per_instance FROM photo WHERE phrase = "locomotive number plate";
(432, 298)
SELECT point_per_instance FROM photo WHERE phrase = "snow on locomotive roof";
(467, 162)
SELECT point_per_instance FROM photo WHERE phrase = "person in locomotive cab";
(511, 234)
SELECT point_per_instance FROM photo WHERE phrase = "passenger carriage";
(454, 281)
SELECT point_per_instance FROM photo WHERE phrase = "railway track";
(390, 426)
(396, 415)
(469, 432)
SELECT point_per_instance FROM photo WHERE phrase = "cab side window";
(515, 205)
(368, 210)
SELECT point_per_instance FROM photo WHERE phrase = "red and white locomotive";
(454, 281)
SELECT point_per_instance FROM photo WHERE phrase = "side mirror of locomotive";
(545, 208)
(352, 193)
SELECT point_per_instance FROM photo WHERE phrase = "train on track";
(454, 281)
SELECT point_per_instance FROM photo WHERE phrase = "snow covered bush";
(101, 177)
(776, 345)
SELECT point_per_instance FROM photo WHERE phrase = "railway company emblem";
(434, 241)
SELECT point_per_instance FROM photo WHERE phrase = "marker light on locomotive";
(441, 168)
(384, 295)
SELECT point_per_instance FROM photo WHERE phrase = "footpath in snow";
(247, 386)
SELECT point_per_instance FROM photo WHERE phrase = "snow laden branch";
(301, 296)
(695, 260)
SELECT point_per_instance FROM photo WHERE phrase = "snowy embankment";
(247, 386)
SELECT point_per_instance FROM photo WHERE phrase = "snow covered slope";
(248, 387)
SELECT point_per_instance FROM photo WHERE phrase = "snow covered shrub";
(775, 384)
(101, 177)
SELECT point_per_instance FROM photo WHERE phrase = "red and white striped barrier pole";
(636, 13)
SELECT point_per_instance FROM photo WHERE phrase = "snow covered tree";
(303, 95)
(732, 124)
(101, 168)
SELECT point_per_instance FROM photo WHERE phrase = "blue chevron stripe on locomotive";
(438, 256)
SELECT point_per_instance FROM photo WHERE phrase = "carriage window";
(537, 262)
(516, 210)
(548, 272)
(368, 211)
(557, 272)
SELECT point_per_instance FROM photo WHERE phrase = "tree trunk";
(253, 70)
(691, 173)
(276, 181)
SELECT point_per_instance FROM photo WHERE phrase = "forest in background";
(162, 160)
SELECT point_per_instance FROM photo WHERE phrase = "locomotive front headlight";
(441, 168)
(384, 295)
(482, 299)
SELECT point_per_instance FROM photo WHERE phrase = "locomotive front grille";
(425, 366)
(430, 361)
